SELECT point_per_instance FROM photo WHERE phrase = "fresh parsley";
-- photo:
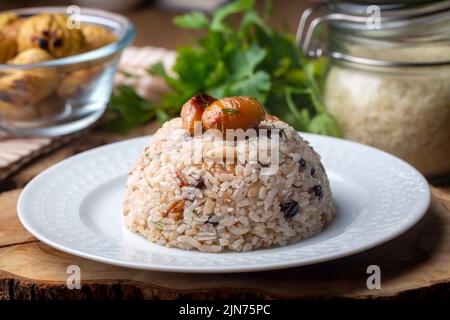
(130, 110)
(157, 224)
(126, 73)
(230, 111)
(250, 59)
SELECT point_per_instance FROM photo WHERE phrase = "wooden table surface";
(415, 265)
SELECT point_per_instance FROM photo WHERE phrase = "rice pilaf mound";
(216, 206)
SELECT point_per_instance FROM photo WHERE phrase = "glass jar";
(388, 84)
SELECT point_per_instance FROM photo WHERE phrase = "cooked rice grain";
(225, 207)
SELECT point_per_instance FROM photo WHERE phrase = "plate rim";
(419, 213)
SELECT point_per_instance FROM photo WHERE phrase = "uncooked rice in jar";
(404, 111)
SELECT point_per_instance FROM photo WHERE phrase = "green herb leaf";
(268, 9)
(324, 123)
(243, 63)
(314, 88)
(126, 73)
(301, 117)
(159, 225)
(130, 109)
(221, 14)
(193, 20)
(251, 19)
(256, 86)
(162, 115)
(230, 111)
(157, 70)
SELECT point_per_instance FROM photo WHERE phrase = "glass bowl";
(79, 87)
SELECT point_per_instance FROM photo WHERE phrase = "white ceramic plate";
(76, 206)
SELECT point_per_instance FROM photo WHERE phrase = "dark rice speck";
(187, 137)
(213, 220)
(290, 209)
(200, 184)
(318, 191)
(264, 165)
(302, 164)
(190, 196)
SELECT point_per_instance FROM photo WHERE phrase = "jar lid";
(384, 24)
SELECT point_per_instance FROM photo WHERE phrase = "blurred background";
(153, 18)
(381, 101)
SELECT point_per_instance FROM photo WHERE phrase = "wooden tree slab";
(417, 264)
